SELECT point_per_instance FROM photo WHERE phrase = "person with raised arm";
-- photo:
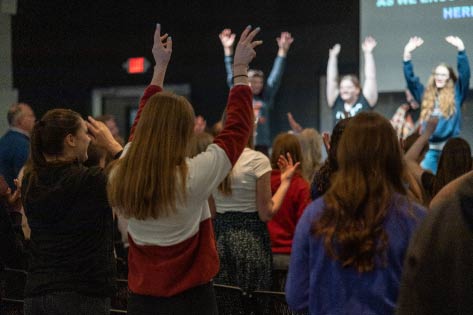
(345, 96)
(263, 92)
(442, 97)
(163, 193)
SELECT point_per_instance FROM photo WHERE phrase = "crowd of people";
(382, 226)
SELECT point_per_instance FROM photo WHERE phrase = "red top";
(283, 224)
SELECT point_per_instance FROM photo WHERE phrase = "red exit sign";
(136, 65)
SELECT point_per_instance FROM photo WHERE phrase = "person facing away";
(437, 277)
(72, 268)
(282, 226)
(263, 92)
(349, 245)
(443, 96)
(345, 97)
(163, 193)
(15, 143)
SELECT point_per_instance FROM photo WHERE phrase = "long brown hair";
(446, 95)
(356, 204)
(149, 180)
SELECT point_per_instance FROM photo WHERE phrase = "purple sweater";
(320, 284)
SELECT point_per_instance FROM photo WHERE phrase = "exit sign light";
(136, 65)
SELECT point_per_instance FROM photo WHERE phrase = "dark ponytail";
(48, 137)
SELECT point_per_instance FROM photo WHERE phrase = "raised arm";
(413, 82)
(227, 38)
(332, 75)
(213, 165)
(463, 66)
(162, 50)
(295, 126)
(274, 79)
(413, 154)
(370, 86)
(234, 136)
(268, 206)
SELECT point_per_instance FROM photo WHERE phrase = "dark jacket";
(438, 277)
(71, 231)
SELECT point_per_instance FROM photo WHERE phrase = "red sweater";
(282, 226)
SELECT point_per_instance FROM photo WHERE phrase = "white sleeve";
(261, 164)
(206, 171)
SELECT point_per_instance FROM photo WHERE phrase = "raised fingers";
(168, 43)
(252, 35)
(245, 33)
(157, 34)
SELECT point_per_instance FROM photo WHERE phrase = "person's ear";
(70, 140)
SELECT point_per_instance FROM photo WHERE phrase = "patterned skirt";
(244, 248)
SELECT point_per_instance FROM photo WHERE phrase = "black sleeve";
(12, 252)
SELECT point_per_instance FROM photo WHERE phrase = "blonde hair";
(311, 145)
(151, 178)
(446, 95)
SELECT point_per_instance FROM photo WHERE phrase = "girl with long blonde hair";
(442, 97)
(163, 193)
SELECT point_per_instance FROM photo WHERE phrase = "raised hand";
(368, 44)
(199, 124)
(162, 48)
(335, 50)
(284, 43)
(227, 38)
(412, 45)
(287, 166)
(102, 137)
(244, 54)
(431, 125)
(294, 124)
(456, 42)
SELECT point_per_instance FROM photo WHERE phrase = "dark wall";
(64, 49)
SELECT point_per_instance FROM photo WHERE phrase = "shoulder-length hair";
(151, 178)
(286, 143)
(356, 205)
(311, 146)
(446, 95)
